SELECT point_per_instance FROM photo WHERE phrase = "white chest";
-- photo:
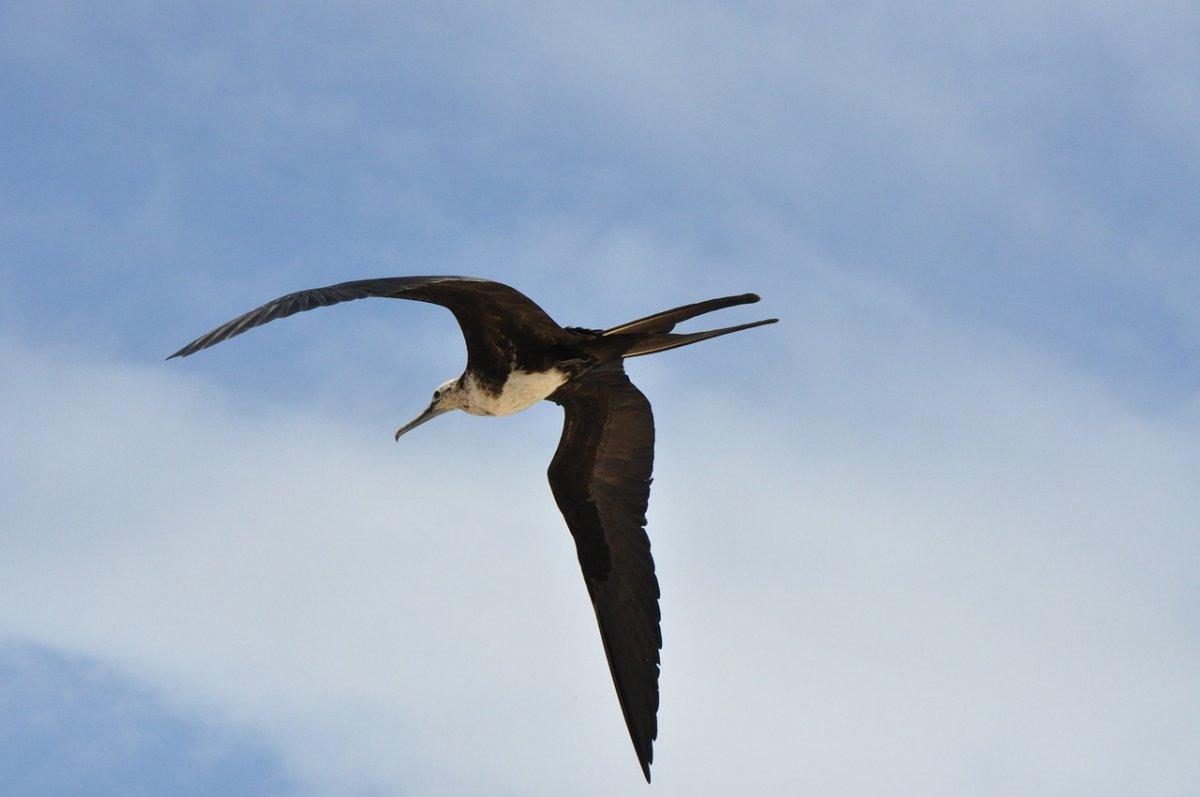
(521, 391)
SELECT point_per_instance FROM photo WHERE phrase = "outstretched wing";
(600, 477)
(497, 321)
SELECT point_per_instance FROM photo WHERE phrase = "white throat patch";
(521, 390)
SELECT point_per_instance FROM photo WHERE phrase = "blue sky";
(934, 533)
(71, 726)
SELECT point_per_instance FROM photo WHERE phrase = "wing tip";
(187, 350)
(645, 750)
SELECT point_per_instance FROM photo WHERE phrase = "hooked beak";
(431, 412)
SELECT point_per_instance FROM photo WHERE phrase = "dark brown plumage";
(498, 323)
(600, 474)
(600, 477)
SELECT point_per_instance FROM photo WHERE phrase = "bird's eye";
(437, 394)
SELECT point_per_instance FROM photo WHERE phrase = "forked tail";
(667, 319)
(656, 328)
(664, 341)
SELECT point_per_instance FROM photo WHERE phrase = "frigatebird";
(600, 474)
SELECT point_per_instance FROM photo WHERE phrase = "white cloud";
(944, 565)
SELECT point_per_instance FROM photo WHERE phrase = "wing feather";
(498, 322)
(600, 477)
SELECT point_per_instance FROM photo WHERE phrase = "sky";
(935, 533)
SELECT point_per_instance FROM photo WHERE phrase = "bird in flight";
(600, 475)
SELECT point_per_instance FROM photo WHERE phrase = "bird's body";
(519, 392)
(600, 475)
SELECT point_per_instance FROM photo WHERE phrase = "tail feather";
(664, 341)
(666, 320)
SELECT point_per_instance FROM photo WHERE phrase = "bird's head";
(448, 396)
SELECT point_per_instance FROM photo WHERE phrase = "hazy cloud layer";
(980, 578)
